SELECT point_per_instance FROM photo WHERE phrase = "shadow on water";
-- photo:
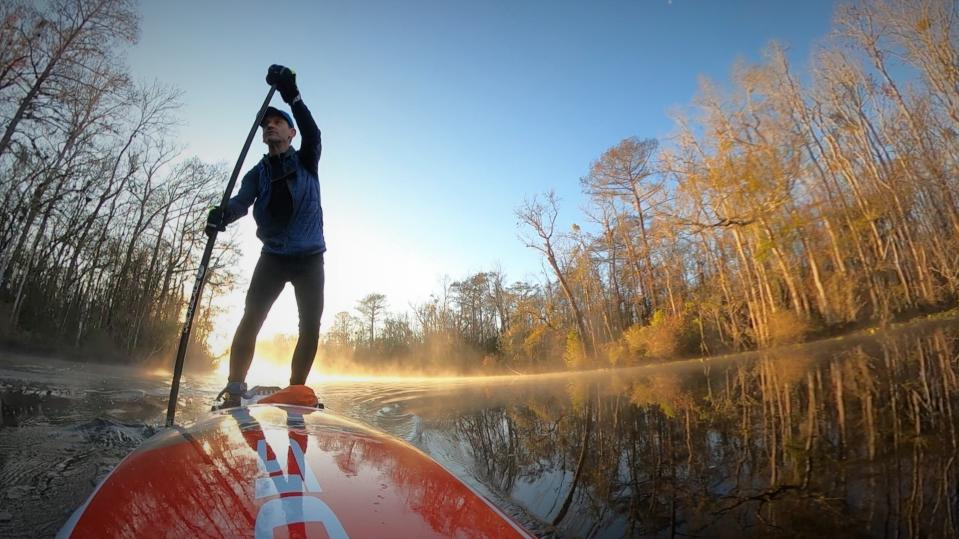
(849, 438)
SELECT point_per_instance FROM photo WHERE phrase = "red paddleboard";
(279, 470)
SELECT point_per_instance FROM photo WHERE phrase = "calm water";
(855, 437)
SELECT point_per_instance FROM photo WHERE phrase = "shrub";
(665, 337)
(575, 355)
(786, 327)
(617, 353)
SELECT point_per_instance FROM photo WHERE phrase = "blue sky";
(439, 118)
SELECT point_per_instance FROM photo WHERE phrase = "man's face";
(276, 130)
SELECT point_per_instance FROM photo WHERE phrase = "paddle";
(204, 262)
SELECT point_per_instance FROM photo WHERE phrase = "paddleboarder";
(284, 190)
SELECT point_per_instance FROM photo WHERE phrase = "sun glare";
(263, 372)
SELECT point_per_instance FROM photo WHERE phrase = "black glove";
(215, 221)
(284, 79)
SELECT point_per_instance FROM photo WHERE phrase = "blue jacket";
(303, 234)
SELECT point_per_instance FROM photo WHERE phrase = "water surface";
(853, 437)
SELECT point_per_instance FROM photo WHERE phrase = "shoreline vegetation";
(789, 206)
(948, 317)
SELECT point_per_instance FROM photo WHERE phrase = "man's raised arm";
(285, 81)
(310, 147)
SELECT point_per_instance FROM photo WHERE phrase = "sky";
(440, 117)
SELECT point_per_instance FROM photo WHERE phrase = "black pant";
(270, 276)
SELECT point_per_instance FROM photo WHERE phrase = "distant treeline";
(789, 206)
(100, 214)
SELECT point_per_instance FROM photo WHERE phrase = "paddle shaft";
(204, 262)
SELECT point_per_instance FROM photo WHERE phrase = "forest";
(790, 206)
(101, 226)
(787, 205)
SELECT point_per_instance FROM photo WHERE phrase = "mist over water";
(852, 437)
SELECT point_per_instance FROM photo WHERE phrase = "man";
(284, 190)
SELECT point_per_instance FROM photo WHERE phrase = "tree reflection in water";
(855, 439)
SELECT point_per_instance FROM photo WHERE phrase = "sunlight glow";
(350, 274)
(263, 372)
(269, 371)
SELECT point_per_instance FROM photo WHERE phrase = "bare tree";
(372, 307)
(540, 218)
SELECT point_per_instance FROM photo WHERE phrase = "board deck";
(275, 471)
